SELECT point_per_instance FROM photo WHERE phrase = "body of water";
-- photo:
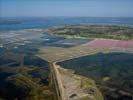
(35, 22)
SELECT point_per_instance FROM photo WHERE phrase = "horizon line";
(68, 16)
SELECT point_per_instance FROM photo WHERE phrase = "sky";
(82, 8)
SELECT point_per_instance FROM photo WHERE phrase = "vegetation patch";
(95, 31)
